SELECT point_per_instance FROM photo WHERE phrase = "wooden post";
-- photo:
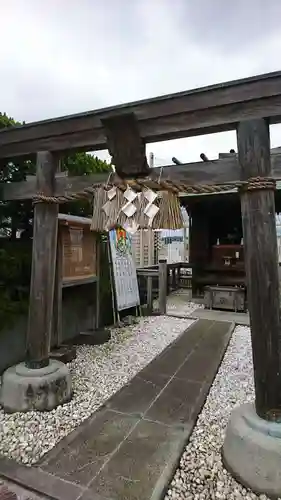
(178, 276)
(98, 253)
(199, 232)
(57, 307)
(141, 248)
(150, 262)
(149, 298)
(174, 279)
(56, 337)
(185, 255)
(168, 280)
(162, 286)
(43, 265)
(150, 253)
(261, 263)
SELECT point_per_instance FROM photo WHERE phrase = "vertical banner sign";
(124, 269)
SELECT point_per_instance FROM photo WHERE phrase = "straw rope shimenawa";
(255, 183)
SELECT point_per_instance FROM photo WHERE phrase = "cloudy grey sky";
(66, 56)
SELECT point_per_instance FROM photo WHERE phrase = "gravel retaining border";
(200, 474)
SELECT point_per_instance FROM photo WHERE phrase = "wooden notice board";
(77, 264)
(124, 269)
(79, 251)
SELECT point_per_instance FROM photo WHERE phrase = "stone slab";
(22, 493)
(175, 403)
(39, 481)
(91, 337)
(131, 447)
(136, 397)
(139, 463)
(168, 362)
(64, 353)
(190, 341)
(82, 454)
(195, 367)
(215, 315)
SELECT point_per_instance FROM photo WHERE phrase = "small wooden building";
(216, 238)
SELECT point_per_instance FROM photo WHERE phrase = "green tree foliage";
(82, 164)
(14, 215)
(15, 254)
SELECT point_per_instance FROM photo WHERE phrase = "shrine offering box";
(226, 298)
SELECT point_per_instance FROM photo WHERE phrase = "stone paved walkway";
(129, 449)
(214, 315)
(11, 491)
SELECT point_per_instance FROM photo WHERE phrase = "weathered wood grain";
(261, 264)
(149, 281)
(211, 172)
(57, 306)
(204, 110)
(43, 266)
(125, 146)
(162, 294)
(199, 245)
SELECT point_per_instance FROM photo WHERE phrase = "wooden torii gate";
(249, 106)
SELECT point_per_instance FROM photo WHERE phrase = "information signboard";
(124, 269)
(79, 252)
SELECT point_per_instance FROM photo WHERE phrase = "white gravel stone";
(97, 373)
(201, 473)
(178, 303)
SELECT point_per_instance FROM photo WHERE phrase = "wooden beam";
(43, 266)
(261, 264)
(200, 111)
(126, 146)
(27, 190)
(211, 172)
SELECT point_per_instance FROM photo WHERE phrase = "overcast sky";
(65, 56)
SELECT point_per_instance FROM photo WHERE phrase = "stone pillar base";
(252, 451)
(24, 389)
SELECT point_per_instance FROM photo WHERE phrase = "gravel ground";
(200, 475)
(178, 303)
(97, 373)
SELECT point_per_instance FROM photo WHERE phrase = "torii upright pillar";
(40, 383)
(252, 447)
